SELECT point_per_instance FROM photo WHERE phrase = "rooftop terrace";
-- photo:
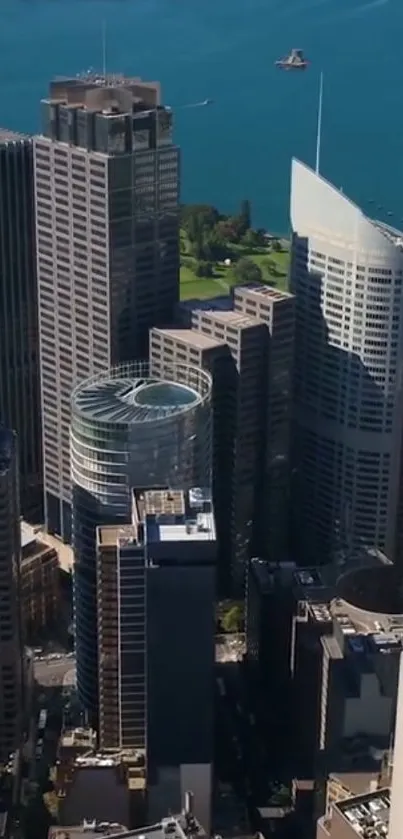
(194, 521)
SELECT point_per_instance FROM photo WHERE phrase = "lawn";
(274, 274)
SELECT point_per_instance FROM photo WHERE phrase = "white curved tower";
(347, 274)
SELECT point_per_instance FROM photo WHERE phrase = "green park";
(218, 251)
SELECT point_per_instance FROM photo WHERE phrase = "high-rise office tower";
(347, 276)
(107, 210)
(186, 346)
(19, 343)
(156, 652)
(251, 403)
(11, 646)
(130, 428)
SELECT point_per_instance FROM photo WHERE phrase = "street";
(55, 672)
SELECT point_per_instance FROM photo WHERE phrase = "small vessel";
(294, 61)
(206, 102)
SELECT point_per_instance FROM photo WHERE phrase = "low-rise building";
(347, 638)
(102, 786)
(359, 817)
(39, 583)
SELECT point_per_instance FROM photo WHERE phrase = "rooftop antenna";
(104, 49)
(319, 127)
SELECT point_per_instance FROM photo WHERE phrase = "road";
(54, 672)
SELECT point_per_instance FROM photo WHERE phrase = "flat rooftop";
(79, 738)
(174, 827)
(232, 318)
(8, 136)
(28, 534)
(164, 502)
(270, 574)
(87, 830)
(190, 337)
(261, 292)
(112, 535)
(222, 303)
(367, 815)
(194, 523)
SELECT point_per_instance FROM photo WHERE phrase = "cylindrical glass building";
(129, 429)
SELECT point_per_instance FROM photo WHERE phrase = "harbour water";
(240, 146)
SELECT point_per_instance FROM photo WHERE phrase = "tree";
(204, 269)
(244, 217)
(233, 619)
(276, 245)
(246, 271)
(198, 219)
(228, 230)
(252, 239)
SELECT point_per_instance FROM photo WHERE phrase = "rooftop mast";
(319, 126)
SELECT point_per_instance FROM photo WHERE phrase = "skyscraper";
(11, 647)
(247, 344)
(19, 346)
(155, 673)
(347, 276)
(107, 208)
(130, 428)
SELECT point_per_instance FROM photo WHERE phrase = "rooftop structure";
(39, 582)
(181, 826)
(344, 664)
(8, 136)
(186, 307)
(367, 815)
(194, 522)
(129, 400)
(97, 785)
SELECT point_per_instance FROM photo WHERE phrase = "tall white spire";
(319, 126)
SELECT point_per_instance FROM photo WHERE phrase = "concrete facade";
(107, 239)
(248, 342)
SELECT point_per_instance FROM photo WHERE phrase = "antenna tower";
(319, 127)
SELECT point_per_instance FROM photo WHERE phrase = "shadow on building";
(342, 475)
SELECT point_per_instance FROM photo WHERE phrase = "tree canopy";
(246, 271)
(232, 620)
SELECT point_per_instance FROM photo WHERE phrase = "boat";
(294, 61)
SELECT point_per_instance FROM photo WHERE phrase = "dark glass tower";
(19, 341)
(11, 647)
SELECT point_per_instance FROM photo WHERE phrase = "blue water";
(225, 50)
